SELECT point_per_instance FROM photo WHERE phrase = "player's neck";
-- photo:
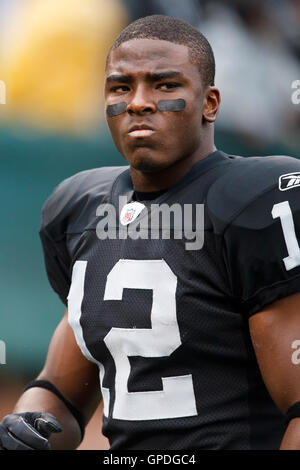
(156, 181)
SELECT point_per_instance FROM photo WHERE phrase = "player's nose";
(141, 103)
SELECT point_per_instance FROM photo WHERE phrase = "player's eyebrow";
(153, 77)
(119, 78)
(157, 76)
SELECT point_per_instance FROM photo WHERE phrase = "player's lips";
(140, 130)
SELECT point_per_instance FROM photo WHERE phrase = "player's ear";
(212, 99)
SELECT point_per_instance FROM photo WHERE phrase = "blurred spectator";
(287, 14)
(255, 70)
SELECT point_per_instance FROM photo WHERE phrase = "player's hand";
(27, 431)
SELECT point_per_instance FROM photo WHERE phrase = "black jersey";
(166, 318)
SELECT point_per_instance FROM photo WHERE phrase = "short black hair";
(177, 31)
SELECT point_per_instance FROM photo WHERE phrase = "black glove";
(27, 431)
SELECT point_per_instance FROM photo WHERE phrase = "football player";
(192, 321)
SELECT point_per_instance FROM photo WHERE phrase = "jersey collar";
(123, 185)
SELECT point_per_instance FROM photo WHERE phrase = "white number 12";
(177, 398)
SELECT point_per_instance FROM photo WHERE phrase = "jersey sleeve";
(56, 267)
(261, 249)
(53, 238)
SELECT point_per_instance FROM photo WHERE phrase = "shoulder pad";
(71, 197)
(247, 179)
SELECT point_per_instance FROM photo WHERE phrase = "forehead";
(149, 55)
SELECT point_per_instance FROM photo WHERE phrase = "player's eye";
(119, 89)
(167, 86)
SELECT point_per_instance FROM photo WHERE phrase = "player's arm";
(75, 377)
(274, 331)
(261, 250)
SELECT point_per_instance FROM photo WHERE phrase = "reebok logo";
(289, 181)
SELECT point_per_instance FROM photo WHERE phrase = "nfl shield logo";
(128, 216)
(130, 212)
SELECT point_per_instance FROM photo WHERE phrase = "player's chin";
(147, 160)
